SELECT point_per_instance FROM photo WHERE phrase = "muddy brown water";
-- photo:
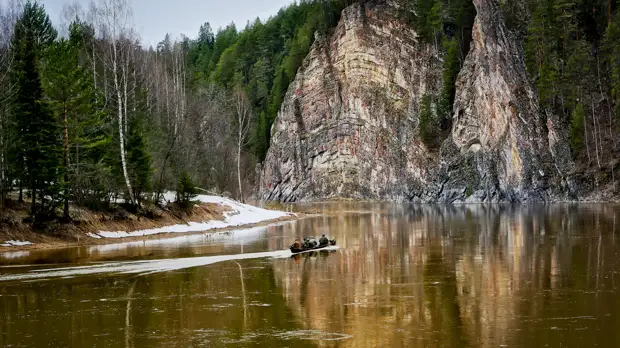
(402, 276)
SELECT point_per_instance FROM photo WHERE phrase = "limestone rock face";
(503, 147)
(347, 127)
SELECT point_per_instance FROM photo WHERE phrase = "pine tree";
(224, 73)
(547, 81)
(576, 80)
(428, 123)
(186, 190)
(539, 42)
(38, 148)
(464, 13)
(139, 159)
(577, 129)
(452, 66)
(70, 95)
(565, 18)
(89, 135)
(425, 17)
(259, 83)
(433, 23)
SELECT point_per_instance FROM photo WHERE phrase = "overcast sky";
(154, 18)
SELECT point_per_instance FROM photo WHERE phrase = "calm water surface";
(402, 276)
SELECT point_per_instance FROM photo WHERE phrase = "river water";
(401, 276)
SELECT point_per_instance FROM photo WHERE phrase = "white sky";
(154, 18)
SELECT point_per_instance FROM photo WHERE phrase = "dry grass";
(84, 221)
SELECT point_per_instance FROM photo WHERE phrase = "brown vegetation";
(15, 224)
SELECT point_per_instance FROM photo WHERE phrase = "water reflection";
(405, 275)
(465, 275)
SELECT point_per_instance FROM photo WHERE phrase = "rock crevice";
(348, 125)
(501, 147)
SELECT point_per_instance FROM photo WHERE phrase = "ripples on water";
(404, 275)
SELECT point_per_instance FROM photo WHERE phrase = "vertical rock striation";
(503, 147)
(347, 125)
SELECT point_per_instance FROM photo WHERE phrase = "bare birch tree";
(244, 117)
(114, 18)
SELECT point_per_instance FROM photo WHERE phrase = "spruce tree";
(577, 130)
(186, 190)
(71, 98)
(37, 144)
(428, 123)
(139, 158)
(452, 66)
(539, 42)
(576, 78)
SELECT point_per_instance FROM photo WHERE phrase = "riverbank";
(209, 214)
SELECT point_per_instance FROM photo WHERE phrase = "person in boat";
(323, 241)
(310, 242)
(296, 244)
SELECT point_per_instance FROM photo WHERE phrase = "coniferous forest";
(89, 115)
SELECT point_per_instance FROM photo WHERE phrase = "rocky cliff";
(503, 147)
(349, 123)
(347, 126)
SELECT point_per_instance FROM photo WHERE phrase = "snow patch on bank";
(240, 214)
(10, 243)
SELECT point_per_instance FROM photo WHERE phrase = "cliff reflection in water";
(404, 276)
(464, 275)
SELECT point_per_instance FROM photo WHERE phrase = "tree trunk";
(585, 131)
(133, 89)
(239, 168)
(167, 91)
(125, 82)
(175, 88)
(105, 86)
(33, 204)
(121, 132)
(596, 136)
(3, 172)
(77, 185)
(65, 150)
(603, 95)
(94, 64)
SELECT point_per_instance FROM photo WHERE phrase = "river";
(401, 276)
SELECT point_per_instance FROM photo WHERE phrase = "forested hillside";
(573, 55)
(90, 115)
(571, 50)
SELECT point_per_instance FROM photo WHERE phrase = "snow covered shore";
(239, 215)
(10, 243)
